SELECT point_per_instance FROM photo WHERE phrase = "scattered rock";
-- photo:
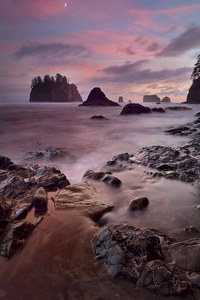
(98, 98)
(84, 198)
(139, 203)
(134, 108)
(112, 180)
(5, 208)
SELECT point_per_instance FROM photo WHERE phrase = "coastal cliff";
(53, 90)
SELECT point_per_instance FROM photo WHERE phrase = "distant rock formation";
(151, 98)
(53, 90)
(193, 96)
(98, 98)
(166, 100)
(121, 99)
(134, 108)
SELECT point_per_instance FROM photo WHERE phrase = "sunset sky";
(126, 47)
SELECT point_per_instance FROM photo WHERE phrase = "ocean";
(90, 144)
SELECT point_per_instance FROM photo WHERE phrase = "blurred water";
(91, 143)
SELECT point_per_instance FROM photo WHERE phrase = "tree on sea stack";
(196, 71)
(193, 96)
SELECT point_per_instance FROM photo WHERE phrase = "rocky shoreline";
(145, 257)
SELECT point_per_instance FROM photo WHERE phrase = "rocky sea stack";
(193, 96)
(52, 89)
(166, 100)
(98, 98)
(151, 98)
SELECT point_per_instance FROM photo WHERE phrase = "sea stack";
(121, 99)
(193, 96)
(151, 98)
(166, 100)
(98, 98)
(52, 89)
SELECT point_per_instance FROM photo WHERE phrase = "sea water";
(91, 143)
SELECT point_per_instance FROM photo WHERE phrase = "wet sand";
(57, 262)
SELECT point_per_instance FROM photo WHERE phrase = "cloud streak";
(135, 73)
(184, 42)
(51, 52)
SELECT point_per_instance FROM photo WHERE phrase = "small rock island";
(53, 89)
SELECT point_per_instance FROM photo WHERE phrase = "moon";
(65, 4)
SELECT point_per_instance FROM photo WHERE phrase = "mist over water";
(91, 143)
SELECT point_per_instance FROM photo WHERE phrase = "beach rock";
(98, 117)
(121, 99)
(166, 100)
(139, 203)
(181, 130)
(193, 96)
(144, 256)
(98, 98)
(40, 200)
(103, 176)
(158, 110)
(134, 108)
(197, 114)
(49, 154)
(50, 178)
(177, 108)
(151, 98)
(84, 198)
(5, 208)
(14, 237)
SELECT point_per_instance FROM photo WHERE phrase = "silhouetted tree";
(64, 79)
(196, 71)
(58, 77)
(47, 79)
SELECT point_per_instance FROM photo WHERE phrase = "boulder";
(166, 100)
(40, 200)
(103, 176)
(193, 96)
(151, 98)
(98, 98)
(84, 198)
(139, 203)
(134, 108)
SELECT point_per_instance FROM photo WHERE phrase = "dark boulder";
(98, 117)
(139, 203)
(98, 98)
(40, 200)
(158, 110)
(103, 176)
(135, 108)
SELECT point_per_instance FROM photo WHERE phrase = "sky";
(127, 48)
